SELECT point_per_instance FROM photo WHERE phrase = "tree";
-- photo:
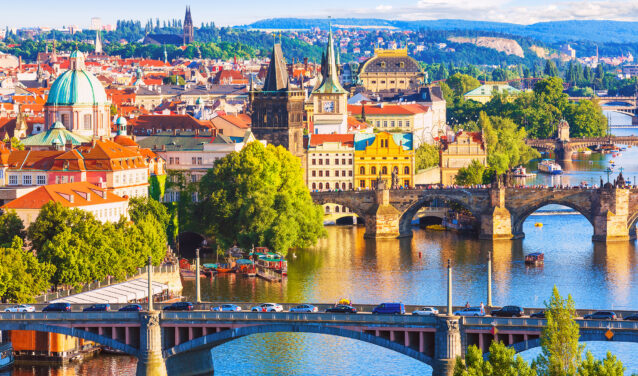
(257, 197)
(470, 175)
(502, 361)
(505, 142)
(426, 156)
(10, 226)
(550, 69)
(585, 119)
(610, 366)
(561, 353)
(140, 207)
(462, 83)
(21, 275)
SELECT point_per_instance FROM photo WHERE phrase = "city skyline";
(513, 11)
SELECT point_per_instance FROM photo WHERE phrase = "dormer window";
(383, 64)
(402, 64)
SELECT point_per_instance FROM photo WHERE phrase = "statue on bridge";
(395, 178)
(380, 183)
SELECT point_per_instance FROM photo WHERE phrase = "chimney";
(88, 196)
(164, 147)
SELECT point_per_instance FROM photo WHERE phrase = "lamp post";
(489, 279)
(449, 287)
(150, 285)
(197, 282)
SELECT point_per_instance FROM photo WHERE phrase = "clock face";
(329, 106)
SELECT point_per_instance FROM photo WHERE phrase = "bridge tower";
(385, 222)
(611, 214)
(563, 130)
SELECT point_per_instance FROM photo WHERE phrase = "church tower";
(278, 110)
(98, 43)
(188, 27)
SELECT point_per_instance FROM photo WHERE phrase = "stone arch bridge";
(612, 211)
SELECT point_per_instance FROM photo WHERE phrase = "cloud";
(507, 10)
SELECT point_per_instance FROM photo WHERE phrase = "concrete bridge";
(564, 148)
(501, 211)
(179, 343)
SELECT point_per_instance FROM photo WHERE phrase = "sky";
(60, 13)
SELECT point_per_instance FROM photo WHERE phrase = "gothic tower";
(188, 27)
(277, 110)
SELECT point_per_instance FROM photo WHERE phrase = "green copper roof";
(58, 134)
(76, 86)
(330, 83)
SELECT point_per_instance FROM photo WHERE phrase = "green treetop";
(257, 197)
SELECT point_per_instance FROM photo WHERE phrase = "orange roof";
(123, 140)
(32, 160)
(389, 109)
(70, 195)
(240, 121)
(344, 139)
(354, 124)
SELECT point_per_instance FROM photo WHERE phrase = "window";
(343, 186)
(362, 184)
(384, 170)
(176, 160)
(327, 185)
(65, 120)
(194, 197)
(327, 209)
(327, 162)
(327, 173)
(373, 170)
(87, 122)
(321, 173)
(26, 179)
(350, 186)
(194, 160)
(392, 124)
(336, 161)
(13, 180)
(193, 178)
(406, 170)
(402, 64)
(321, 162)
(350, 173)
(378, 123)
(199, 160)
(314, 173)
(385, 124)
(170, 160)
(320, 185)
(41, 180)
(343, 173)
(337, 209)
(373, 82)
(406, 183)
(400, 123)
(313, 162)
(362, 170)
(407, 123)
(350, 161)
(343, 161)
(382, 65)
(314, 186)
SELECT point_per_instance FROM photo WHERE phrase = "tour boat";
(521, 172)
(536, 258)
(550, 167)
(538, 224)
(6, 355)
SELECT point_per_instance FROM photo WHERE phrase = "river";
(413, 271)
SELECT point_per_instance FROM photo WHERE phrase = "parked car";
(341, 308)
(601, 315)
(633, 317)
(20, 308)
(268, 307)
(538, 315)
(226, 308)
(131, 308)
(179, 306)
(426, 311)
(389, 309)
(508, 311)
(307, 308)
(470, 311)
(98, 308)
(57, 307)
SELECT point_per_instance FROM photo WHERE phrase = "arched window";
(343, 186)
(327, 209)
(350, 186)
(320, 185)
(327, 185)
(314, 186)
(362, 170)
(373, 170)
(384, 170)
(406, 170)
(336, 209)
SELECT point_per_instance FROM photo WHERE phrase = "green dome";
(120, 121)
(77, 86)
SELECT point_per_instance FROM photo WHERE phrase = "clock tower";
(330, 100)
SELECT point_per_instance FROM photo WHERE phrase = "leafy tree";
(506, 147)
(585, 119)
(550, 69)
(10, 226)
(257, 197)
(174, 80)
(470, 175)
(561, 353)
(610, 366)
(502, 361)
(53, 219)
(426, 156)
(21, 275)
(462, 83)
(140, 207)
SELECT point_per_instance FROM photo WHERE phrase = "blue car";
(57, 307)
(131, 308)
(98, 308)
(389, 309)
(226, 308)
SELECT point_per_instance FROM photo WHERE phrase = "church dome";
(120, 121)
(77, 86)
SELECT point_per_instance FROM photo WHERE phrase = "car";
(131, 308)
(389, 309)
(57, 307)
(268, 307)
(226, 308)
(601, 315)
(341, 308)
(426, 311)
(98, 308)
(306, 308)
(508, 311)
(538, 315)
(633, 317)
(179, 306)
(470, 311)
(20, 308)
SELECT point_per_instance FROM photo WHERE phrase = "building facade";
(391, 70)
(404, 118)
(330, 162)
(379, 155)
(459, 153)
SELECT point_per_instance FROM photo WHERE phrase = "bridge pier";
(384, 223)
(610, 223)
(150, 361)
(496, 223)
(447, 346)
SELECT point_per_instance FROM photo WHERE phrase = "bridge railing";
(70, 316)
(529, 322)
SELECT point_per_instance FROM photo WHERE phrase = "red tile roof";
(241, 121)
(388, 109)
(70, 195)
(344, 139)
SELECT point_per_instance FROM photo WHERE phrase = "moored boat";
(548, 166)
(536, 258)
(521, 172)
(6, 355)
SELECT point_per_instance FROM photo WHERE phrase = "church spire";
(98, 43)
(277, 75)
(330, 82)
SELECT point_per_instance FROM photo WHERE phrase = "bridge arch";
(73, 332)
(216, 339)
(519, 216)
(405, 222)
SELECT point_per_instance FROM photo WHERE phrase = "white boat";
(550, 167)
(6, 355)
(521, 172)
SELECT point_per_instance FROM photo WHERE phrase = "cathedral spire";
(98, 43)
(330, 81)
(277, 75)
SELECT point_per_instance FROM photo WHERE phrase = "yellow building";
(391, 70)
(486, 92)
(377, 155)
(466, 147)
